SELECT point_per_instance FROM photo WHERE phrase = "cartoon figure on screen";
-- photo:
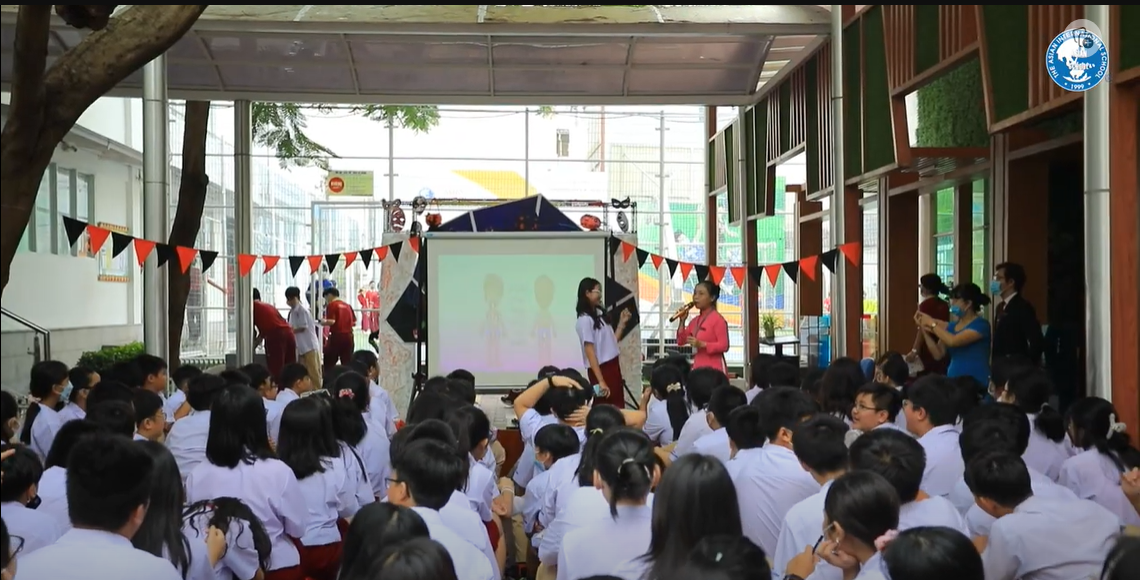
(543, 331)
(493, 326)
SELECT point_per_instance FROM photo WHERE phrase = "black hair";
(126, 372)
(430, 470)
(583, 307)
(470, 425)
(819, 444)
(330, 291)
(811, 383)
(184, 374)
(462, 374)
(160, 533)
(546, 371)
(759, 374)
(375, 528)
(292, 292)
(1092, 426)
(695, 499)
(461, 390)
(1124, 556)
(350, 399)
(896, 456)
(230, 514)
(1003, 368)
(330, 375)
(743, 428)
(558, 440)
(43, 378)
(116, 416)
(968, 394)
(999, 476)
(884, 398)
(724, 401)
(838, 385)
(994, 426)
(430, 405)
(237, 428)
(934, 394)
(430, 430)
(1031, 391)
(667, 383)
(600, 420)
(782, 408)
(625, 462)
(701, 384)
(307, 441)
(108, 478)
(147, 404)
(291, 374)
(436, 384)
(864, 504)
(712, 289)
(970, 292)
(149, 365)
(80, 379)
(66, 438)
(1013, 272)
(933, 284)
(201, 392)
(894, 367)
(933, 553)
(9, 409)
(412, 560)
(782, 374)
(107, 391)
(21, 471)
(257, 373)
(256, 294)
(236, 377)
(565, 402)
(678, 362)
(724, 558)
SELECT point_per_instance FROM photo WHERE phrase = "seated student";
(81, 380)
(293, 383)
(665, 405)
(932, 553)
(424, 475)
(18, 502)
(724, 558)
(126, 372)
(625, 470)
(1103, 453)
(566, 398)
(997, 427)
(1036, 538)
(175, 406)
(699, 387)
(821, 451)
(1004, 368)
(108, 390)
(108, 488)
(782, 374)
(187, 438)
(350, 400)
(552, 444)
(247, 547)
(745, 437)
(118, 417)
(901, 460)
(1123, 561)
(52, 489)
(152, 373)
(931, 411)
(770, 483)
(47, 386)
(759, 380)
(723, 402)
(473, 429)
(150, 419)
(1049, 444)
(381, 409)
(524, 467)
(892, 369)
(877, 405)
(261, 381)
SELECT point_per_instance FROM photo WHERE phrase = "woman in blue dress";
(965, 338)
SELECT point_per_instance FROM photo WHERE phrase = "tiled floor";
(500, 413)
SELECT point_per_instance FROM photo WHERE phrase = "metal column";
(391, 164)
(243, 223)
(526, 152)
(746, 305)
(661, 202)
(1098, 311)
(156, 203)
(838, 233)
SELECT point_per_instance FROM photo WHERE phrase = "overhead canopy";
(465, 54)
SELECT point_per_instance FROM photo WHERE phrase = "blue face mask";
(995, 287)
(539, 467)
(956, 310)
(66, 394)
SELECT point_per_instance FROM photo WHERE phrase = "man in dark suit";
(1017, 332)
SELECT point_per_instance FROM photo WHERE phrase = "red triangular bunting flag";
(349, 258)
(656, 261)
(270, 262)
(686, 269)
(627, 250)
(185, 257)
(716, 274)
(414, 243)
(773, 272)
(315, 264)
(381, 253)
(809, 266)
(245, 264)
(143, 248)
(737, 275)
(853, 252)
(97, 236)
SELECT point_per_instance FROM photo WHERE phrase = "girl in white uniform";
(1104, 453)
(666, 406)
(48, 385)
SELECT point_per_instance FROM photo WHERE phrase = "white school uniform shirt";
(657, 425)
(71, 412)
(38, 529)
(603, 339)
(382, 409)
(532, 502)
(358, 476)
(301, 319)
(1046, 539)
(273, 410)
(803, 525)
(197, 559)
(85, 554)
(273, 421)
(751, 393)
(53, 496)
(1044, 454)
(270, 490)
(715, 444)
(1093, 476)
(873, 569)
(979, 522)
(944, 466)
(44, 428)
(933, 511)
(482, 489)
(329, 495)
(601, 547)
(240, 557)
(584, 506)
(172, 403)
(529, 425)
(458, 515)
(187, 441)
(769, 481)
(470, 563)
(374, 453)
(562, 480)
(696, 427)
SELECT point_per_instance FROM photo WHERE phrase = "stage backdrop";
(397, 356)
(622, 290)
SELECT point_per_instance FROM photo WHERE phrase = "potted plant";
(769, 323)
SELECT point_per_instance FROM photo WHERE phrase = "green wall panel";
(926, 53)
(878, 134)
(730, 172)
(1130, 41)
(812, 85)
(785, 117)
(1007, 41)
(1067, 123)
(853, 103)
(710, 166)
(761, 158)
(952, 110)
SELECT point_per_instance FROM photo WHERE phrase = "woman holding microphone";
(708, 332)
(600, 343)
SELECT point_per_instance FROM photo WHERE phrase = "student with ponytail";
(351, 398)
(665, 405)
(1048, 445)
(1103, 453)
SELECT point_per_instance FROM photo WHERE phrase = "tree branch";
(28, 63)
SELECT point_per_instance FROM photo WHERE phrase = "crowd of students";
(847, 474)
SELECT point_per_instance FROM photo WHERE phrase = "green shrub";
(106, 357)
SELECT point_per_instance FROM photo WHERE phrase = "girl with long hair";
(247, 543)
(666, 407)
(600, 342)
(48, 385)
(360, 438)
(1104, 452)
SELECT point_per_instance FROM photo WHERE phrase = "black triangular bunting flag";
(702, 272)
(792, 269)
(828, 259)
(295, 263)
(757, 274)
(642, 256)
(365, 257)
(614, 244)
(331, 260)
(119, 243)
(164, 252)
(672, 264)
(74, 229)
(207, 257)
(395, 249)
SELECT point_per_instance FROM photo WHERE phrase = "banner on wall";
(349, 184)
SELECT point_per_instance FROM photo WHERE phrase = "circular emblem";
(1077, 60)
(336, 185)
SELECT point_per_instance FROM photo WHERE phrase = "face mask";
(539, 467)
(995, 287)
(66, 394)
(956, 310)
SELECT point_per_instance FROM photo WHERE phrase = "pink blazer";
(712, 329)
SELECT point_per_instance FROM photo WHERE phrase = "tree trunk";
(46, 104)
(187, 218)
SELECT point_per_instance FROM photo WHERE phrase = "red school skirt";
(321, 562)
(291, 573)
(611, 371)
(492, 534)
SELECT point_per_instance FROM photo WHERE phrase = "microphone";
(682, 311)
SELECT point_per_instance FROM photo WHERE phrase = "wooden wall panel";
(809, 242)
(824, 127)
(899, 33)
(958, 29)
(774, 128)
(900, 260)
(1124, 228)
(797, 129)
(1027, 225)
(1046, 21)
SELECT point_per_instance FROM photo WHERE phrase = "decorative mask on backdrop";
(419, 204)
(590, 223)
(396, 218)
(623, 222)
(621, 206)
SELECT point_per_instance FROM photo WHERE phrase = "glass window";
(42, 238)
(944, 234)
(980, 237)
(870, 328)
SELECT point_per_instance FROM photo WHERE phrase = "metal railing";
(41, 342)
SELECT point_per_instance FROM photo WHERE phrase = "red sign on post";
(336, 185)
